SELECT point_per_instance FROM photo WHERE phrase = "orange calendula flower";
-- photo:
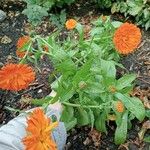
(119, 106)
(21, 42)
(127, 38)
(16, 77)
(71, 24)
(39, 129)
(20, 53)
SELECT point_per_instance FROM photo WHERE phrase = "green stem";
(84, 106)
(27, 51)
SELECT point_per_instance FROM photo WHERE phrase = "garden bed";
(83, 138)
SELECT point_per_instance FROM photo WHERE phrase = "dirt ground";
(84, 138)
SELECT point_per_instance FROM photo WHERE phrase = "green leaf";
(40, 102)
(67, 114)
(108, 68)
(71, 124)
(116, 24)
(91, 117)
(66, 66)
(148, 113)
(100, 122)
(125, 81)
(121, 130)
(83, 73)
(147, 139)
(82, 117)
(133, 104)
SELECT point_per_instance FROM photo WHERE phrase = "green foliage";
(104, 3)
(35, 13)
(37, 9)
(58, 19)
(86, 82)
(140, 9)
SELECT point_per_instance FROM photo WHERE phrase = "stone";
(6, 40)
(2, 15)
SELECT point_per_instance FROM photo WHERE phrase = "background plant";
(139, 9)
(37, 9)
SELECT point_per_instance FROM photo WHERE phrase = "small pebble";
(6, 40)
(2, 15)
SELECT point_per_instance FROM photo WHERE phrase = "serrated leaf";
(121, 130)
(133, 104)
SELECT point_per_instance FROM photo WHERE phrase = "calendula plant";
(85, 76)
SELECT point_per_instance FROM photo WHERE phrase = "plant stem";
(84, 106)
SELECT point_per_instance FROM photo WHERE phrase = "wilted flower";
(71, 24)
(112, 89)
(46, 49)
(119, 106)
(127, 38)
(16, 77)
(104, 18)
(39, 129)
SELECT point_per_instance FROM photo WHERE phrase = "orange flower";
(16, 77)
(39, 132)
(71, 24)
(119, 106)
(22, 41)
(127, 38)
(46, 49)
(20, 53)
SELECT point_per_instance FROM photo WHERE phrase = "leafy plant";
(58, 19)
(140, 9)
(85, 79)
(37, 9)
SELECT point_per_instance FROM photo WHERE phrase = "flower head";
(16, 77)
(119, 106)
(45, 48)
(127, 38)
(20, 44)
(22, 41)
(39, 129)
(20, 53)
(71, 24)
